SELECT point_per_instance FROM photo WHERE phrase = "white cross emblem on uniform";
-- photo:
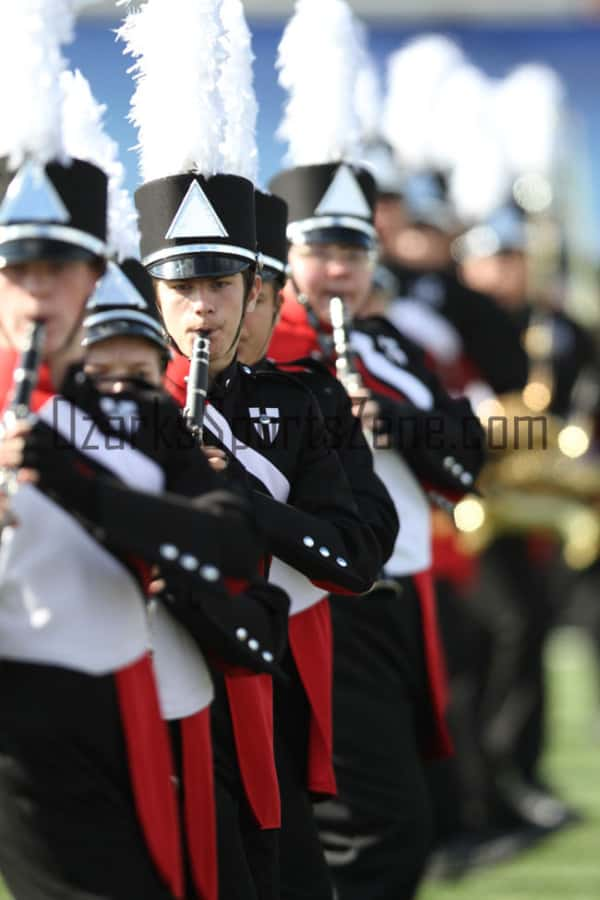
(266, 422)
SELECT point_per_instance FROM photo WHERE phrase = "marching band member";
(197, 222)
(126, 355)
(388, 667)
(88, 747)
(372, 499)
(470, 342)
(333, 259)
(72, 623)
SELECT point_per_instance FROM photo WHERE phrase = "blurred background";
(496, 34)
(541, 837)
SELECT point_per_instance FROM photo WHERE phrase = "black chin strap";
(238, 332)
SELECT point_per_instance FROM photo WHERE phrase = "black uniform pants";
(498, 688)
(378, 832)
(303, 870)
(304, 873)
(248, 857)
(68, 826)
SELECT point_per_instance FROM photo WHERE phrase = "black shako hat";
(196, 227)
(504, 231)
(328, 203)
(271, 225)
(54, 211)
(427, 201)
(124, 305)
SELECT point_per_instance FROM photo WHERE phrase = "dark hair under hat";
(52, 212)
(194, 227)
(328, 202)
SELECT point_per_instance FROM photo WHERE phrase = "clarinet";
(344, 368)
(24, 381)
(197, 386)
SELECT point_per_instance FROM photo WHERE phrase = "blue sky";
(572, 48)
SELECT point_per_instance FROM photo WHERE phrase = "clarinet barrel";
(344, 369)
(26, 374)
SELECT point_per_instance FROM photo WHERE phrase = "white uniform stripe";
(184, 683)
(109, 605)
(427, 328)
(253, 461)
(393, 375)
(76, 427)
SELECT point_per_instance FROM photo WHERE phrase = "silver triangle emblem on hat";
(115, 289)
(31, 196)
(196, 217)
(344, 196)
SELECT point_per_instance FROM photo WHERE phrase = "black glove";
(214, 530)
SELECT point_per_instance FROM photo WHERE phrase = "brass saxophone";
(540, 481)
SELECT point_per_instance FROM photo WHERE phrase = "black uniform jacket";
(439, 436)
(489, 342)
(198, 543)
(274, 431)
(347, 438)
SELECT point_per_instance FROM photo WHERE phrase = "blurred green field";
(567, 865)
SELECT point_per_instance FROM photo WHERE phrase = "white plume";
(368, 98)
(86, 138)
(461, 110)
(529, 107)
(317, 64)
(239, 153)
(416, 74)
(31, 35)
(481, 180)
(473, 146)
(176, 106)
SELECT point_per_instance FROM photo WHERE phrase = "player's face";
(211, 305)
(259, 324)
(422, 246)
(112, 362)
(323, 271)
(503, 276)
(390, 220)
(52, 291)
